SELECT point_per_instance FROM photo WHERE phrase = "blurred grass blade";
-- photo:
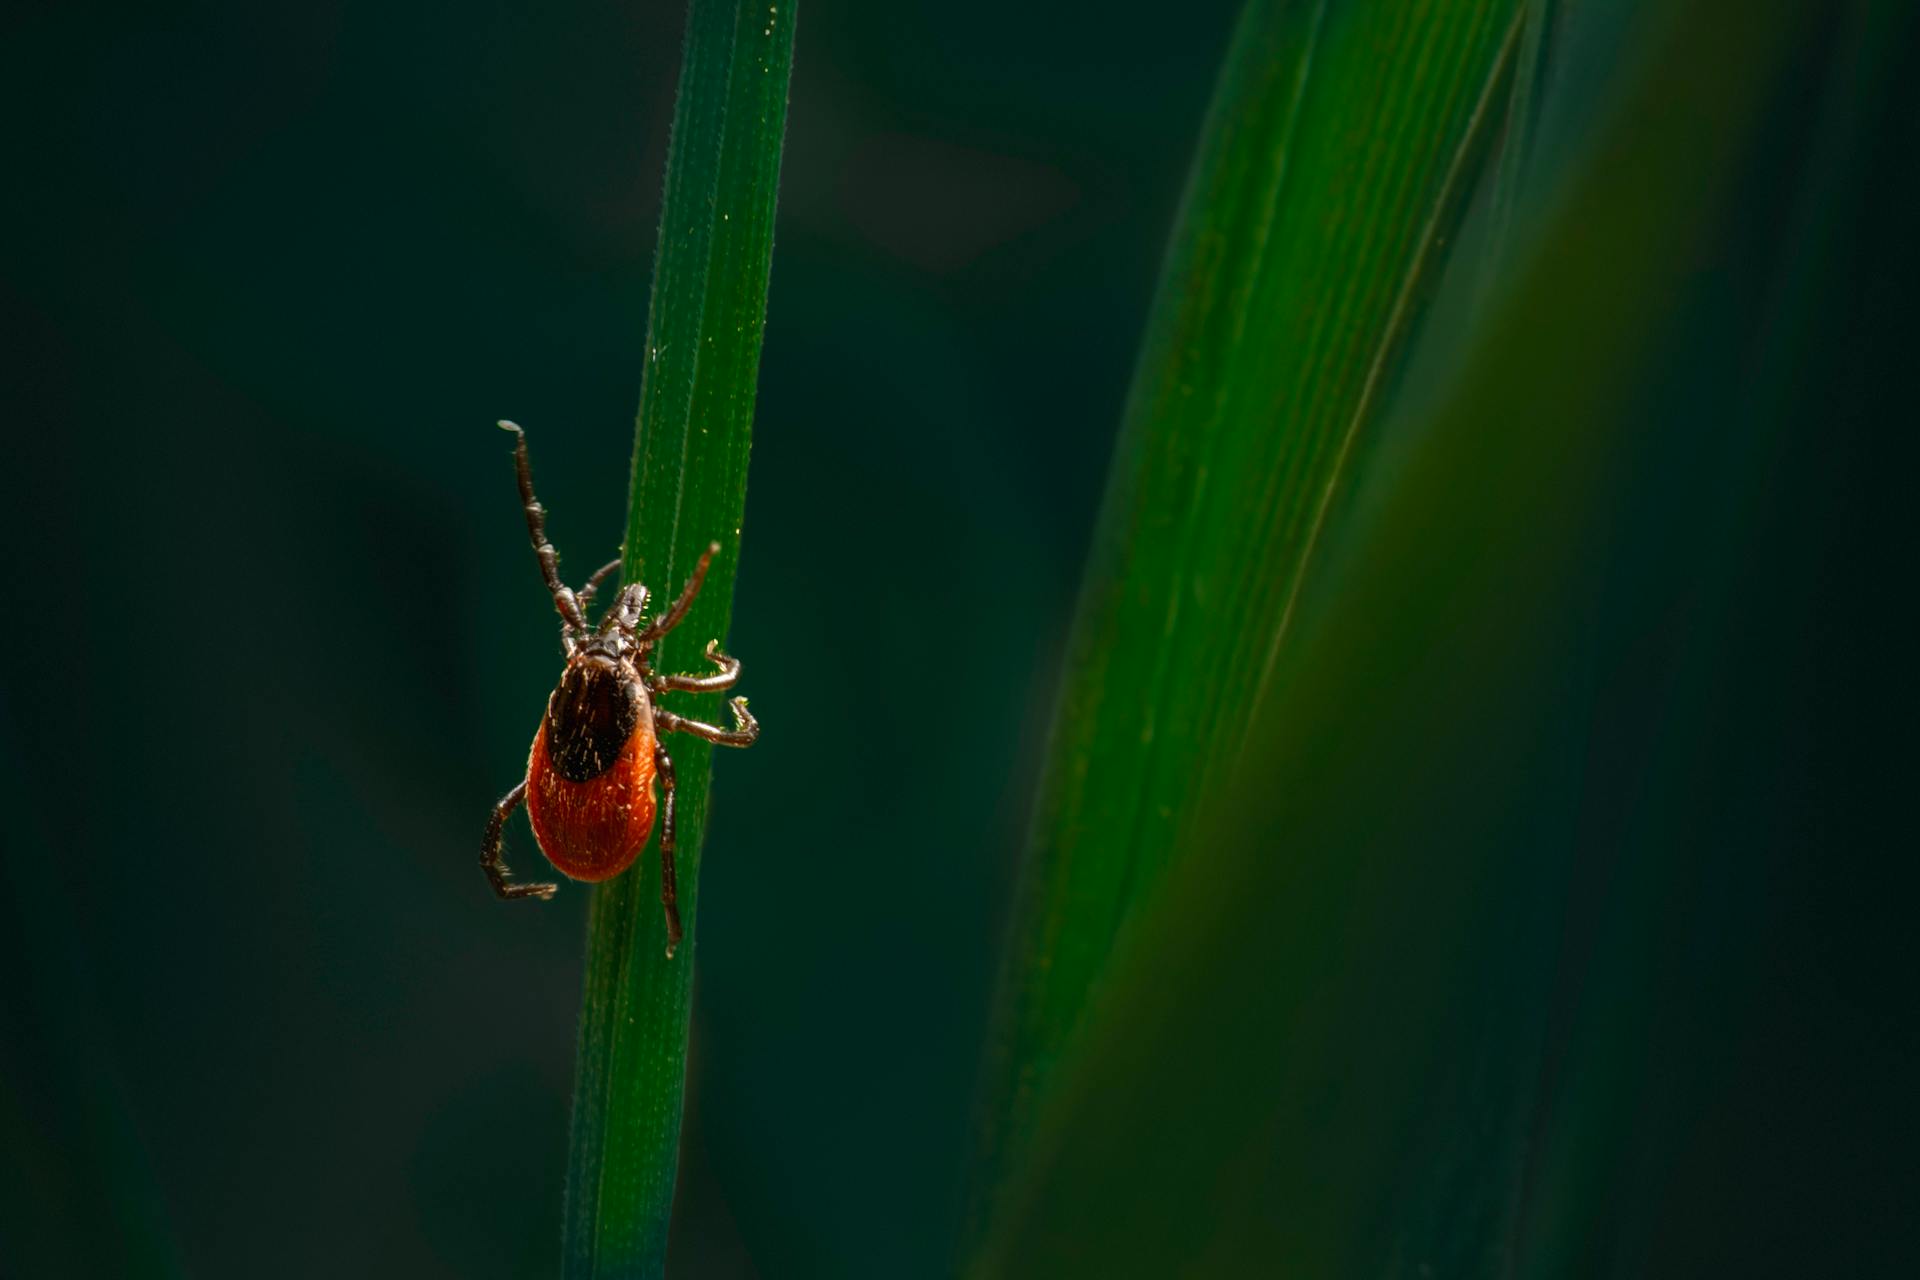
(705, 320)
(1331, 172)
(1676, 971)
(1513, 161)
(1319, 1053)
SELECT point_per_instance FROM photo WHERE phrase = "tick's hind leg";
(669, 897)
(745, 727)
(494, 864)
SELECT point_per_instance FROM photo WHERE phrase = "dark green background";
(275, 641)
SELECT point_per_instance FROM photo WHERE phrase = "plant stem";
(688, 489)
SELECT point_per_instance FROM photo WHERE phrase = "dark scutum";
(590, 717)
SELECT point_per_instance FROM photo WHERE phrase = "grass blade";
(1522, 118)
(1301, 263)
(1318, 1052)
(688, 488)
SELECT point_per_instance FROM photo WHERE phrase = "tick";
(589, 783)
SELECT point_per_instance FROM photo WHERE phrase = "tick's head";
(620, 635)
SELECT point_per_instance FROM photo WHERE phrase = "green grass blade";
(1318, 1052)
(1522, 117)
(1331, 172)
(688, 488)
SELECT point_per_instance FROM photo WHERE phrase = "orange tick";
(589, 783)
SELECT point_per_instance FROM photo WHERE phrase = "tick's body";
(590, 773)
(589, 783)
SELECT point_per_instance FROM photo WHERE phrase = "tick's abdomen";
(593, 830)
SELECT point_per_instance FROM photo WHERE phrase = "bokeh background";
(275, 641)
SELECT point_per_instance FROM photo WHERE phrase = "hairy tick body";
(590, 774)
(590, 797)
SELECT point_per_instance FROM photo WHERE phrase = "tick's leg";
(724, 678)
(584, 596)
(669, 899)
(563, 597)
(745, 727)
(672, 617)
(494, 865)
